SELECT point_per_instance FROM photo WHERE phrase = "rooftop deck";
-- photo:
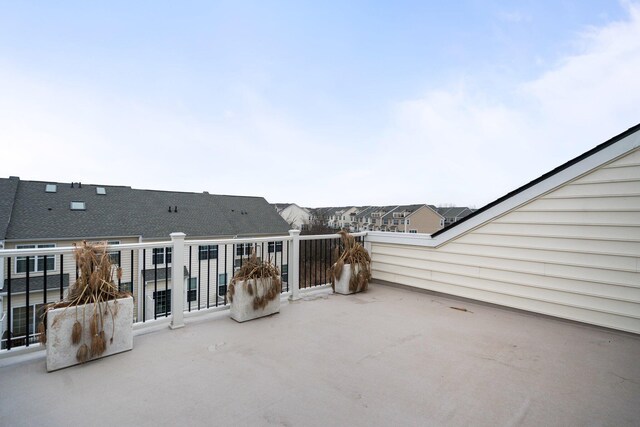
(389, 356)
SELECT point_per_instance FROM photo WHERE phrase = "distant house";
(37, 214)
(418, 218)
(297, 217)
(411, 219)
(452, 214)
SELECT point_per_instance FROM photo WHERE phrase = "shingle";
(8, 188)
(124, 211)
(36, 283)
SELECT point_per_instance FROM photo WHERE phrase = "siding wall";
(573, 253)
(424, 220)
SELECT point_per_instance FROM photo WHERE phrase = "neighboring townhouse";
(346, 217)
(412, 219)
(36, 214)
(297, 217)
(362, 220)
(452, 214)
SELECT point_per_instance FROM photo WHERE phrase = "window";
(207, 252)
(244, 249)
(285, 273)
(395, 222)
(19, 319)
(222, 284)
(159, 256)
(36, 262)
(385, 221)
(163, 301)
(192, 289)
(114, 256)
(413, 231)
(407, 222)
(51, 188)
(275, 246)
(78, 206)
(126, 287)
(101, 191)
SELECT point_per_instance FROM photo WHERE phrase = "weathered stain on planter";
(342, 284)
(242, 305)
(61, 353)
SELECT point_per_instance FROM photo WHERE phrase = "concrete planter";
(61, 353)
(242, 305)
(342, 284)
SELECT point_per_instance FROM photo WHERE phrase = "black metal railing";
(317, 255)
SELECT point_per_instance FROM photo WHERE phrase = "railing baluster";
(217, 275)
(9, 310)
(226, 277)
(208, 274)
(144, 286)
(27, 296)
(135, 298)
(166, 281)
(120, 267)
(189, 282)
(287, 265)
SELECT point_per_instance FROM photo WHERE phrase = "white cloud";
(469, 147)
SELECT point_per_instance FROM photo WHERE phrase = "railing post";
(294, 261)
(366, 243)
(177, 280)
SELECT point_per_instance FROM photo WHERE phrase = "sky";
(327, 103)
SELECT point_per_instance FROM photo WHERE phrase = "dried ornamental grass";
(249, 273)
(351, 252)
(95, 285)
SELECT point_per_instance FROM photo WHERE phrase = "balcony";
(390, 356)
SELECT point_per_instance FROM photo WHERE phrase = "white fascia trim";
(598, 159)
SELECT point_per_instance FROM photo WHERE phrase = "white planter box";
(342, 284)
(60, 350)
(242, 305)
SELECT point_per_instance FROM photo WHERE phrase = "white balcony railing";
(169, 280)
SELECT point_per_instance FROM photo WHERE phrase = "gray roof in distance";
(124, 211)
(8, 188)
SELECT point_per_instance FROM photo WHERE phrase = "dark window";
(243, 249)
(36, 262)
(275, 246)
(208, 252)
(192, 292)
(222, 284)
(285, 273)
(159, 255)
(163, 301)
(126, 287)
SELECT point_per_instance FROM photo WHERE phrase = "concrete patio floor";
(388, 357)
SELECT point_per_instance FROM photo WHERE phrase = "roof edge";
(541, 178)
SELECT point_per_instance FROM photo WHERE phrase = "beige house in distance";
(410, 219)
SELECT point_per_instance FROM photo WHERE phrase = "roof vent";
(51, 188)
(101, 190)
(78, 206)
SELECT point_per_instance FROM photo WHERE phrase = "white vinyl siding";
(572, 253)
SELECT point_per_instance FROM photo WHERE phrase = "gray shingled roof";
(36, 283)
(454, 212)
(8, 188)
(402, 208)
(149, 274)
(124, 211)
